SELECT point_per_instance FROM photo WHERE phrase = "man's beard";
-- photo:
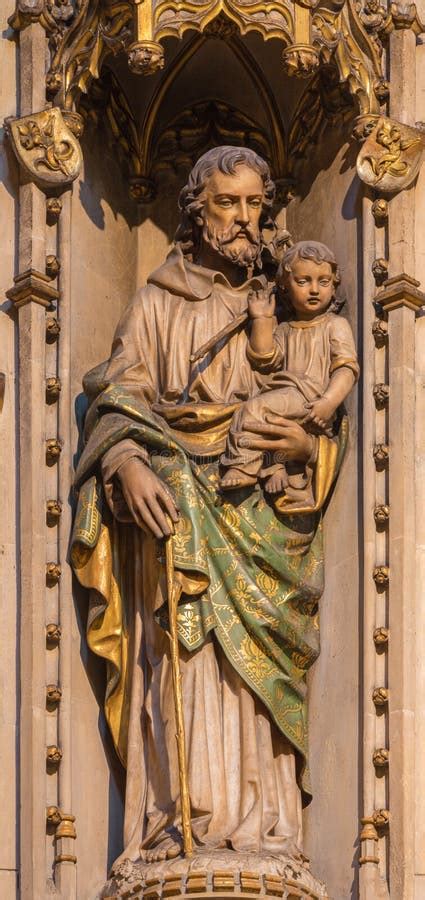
(247, 256)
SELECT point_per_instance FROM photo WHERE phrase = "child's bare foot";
(234, 478)
(277, 482)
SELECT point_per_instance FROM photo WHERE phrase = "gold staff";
(172, 597)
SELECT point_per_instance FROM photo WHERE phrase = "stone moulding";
(32, 286)
(401, 290)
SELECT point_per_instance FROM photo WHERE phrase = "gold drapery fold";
(107, 635)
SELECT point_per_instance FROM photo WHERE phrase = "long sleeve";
(136, 355)
(343, 349)
(266, 363)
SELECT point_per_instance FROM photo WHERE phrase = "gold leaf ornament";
(45, 147)
(391, 156)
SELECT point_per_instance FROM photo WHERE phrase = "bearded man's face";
(231, 211)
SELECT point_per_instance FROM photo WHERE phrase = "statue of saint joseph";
(250, 576)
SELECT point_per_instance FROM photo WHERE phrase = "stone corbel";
(391, 156)
(145, 55)
(405, 15)
(26, 12)
(46, 148)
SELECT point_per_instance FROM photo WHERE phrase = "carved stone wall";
(329, 205)
(9, 548)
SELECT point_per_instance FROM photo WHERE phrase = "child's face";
(310, 287)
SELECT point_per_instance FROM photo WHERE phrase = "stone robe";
(250, 580)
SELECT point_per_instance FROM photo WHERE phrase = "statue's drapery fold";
(249, 574)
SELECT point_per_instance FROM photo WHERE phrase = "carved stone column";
(32, 293)
(49, 158)
(401, 299)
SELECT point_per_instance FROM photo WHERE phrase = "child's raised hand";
(261, 304)
(320, 413)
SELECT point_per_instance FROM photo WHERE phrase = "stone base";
(218, 874)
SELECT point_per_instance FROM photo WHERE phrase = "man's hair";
(222, 159)
(318, 253)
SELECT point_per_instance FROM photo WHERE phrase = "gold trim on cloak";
(107, 634)
(201, 428)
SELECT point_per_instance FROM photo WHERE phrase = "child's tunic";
(310, 352)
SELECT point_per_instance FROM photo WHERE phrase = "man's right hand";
(148, 499)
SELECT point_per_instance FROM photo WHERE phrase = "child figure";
(313, 364)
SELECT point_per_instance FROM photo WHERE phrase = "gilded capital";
(66, 827)
(368, 838)
(301, 60)
(145, 57)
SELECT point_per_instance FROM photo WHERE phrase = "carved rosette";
(380, 332)
(381, 637)
(381, 514)
(380, 211)
(381, 757)
(381, 393)
(381, 576)
(380, 696)
(52, 329)
(380, 270)
(381, 454)
(53, 635)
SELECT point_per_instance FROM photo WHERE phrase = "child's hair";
(318, 253)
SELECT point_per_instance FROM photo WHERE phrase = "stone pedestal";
(221, 874)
